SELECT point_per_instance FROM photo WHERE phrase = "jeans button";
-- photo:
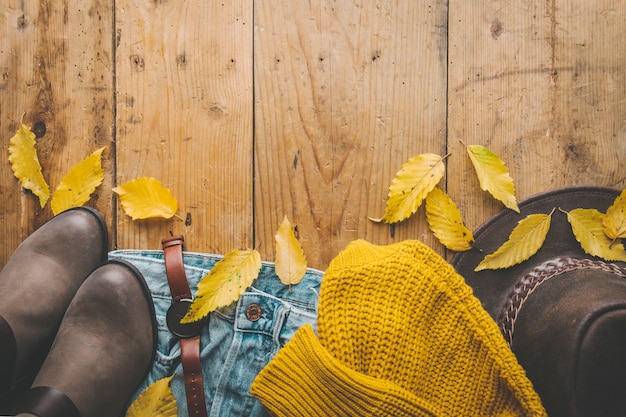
(253, 312)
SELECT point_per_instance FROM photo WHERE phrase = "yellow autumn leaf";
(77, 186)
(25, 164)
(411, 185)
(589, 232)
(445, 221)
(493, 175)
(524, 241)
(290, 260)
(614, 221)
(225, 283)
(145, 197)
(157, 400)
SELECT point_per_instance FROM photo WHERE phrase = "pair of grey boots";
(77, 332)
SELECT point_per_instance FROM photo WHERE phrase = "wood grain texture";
(252, 111)
(536, 83)
(345, 94)
(184, 117)
(56, 76)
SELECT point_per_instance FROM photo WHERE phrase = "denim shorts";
(234, 348)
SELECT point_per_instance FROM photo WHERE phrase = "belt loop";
(281, 315)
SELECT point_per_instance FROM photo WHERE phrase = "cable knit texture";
(400, 334)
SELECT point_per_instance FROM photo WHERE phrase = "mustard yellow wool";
(399, 334)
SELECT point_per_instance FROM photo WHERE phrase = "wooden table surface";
(252, 110)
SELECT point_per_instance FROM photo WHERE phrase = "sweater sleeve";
(304, 379)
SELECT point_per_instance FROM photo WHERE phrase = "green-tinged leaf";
(157, 400)
(77, 186)
(225, 283)
(411, 185)
(589, 231)
(614, 220)
(145, 197)
(25, 164)
(524, 241)
(444, 219)
(290, 260)
(493, 175)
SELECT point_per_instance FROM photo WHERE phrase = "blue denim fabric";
(233, 348)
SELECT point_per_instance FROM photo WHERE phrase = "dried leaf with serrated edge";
(77, 186)
(290, 259)
(614, 221)
(589, 232)
(25, 164)
(524, 241)
(145, 197)
(493, 175)
(445, 221)
(225, 283)
(411, 185)
(157, 400)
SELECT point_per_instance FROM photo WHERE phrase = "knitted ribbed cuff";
(304, 379)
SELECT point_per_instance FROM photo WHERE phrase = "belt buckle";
(175, 313)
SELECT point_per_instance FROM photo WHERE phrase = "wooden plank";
(345, 93)
(56, 69)
(184, 117)
(542, 84)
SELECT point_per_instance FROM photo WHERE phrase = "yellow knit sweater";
(400, 334)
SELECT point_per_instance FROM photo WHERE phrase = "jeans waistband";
(238, 340)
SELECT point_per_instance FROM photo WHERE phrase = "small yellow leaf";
(524, 241)
(145, 198)
(155, 401)
(411, 185)
(290, 260)
(589, 231)
(614, 220)
(493, 175)
(77, 186)
(25, 164)
(225, 283)
(444, 219)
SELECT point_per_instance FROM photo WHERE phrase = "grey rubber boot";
(37, 285)
(102, 351)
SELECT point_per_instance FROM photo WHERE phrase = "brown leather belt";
(189, 334)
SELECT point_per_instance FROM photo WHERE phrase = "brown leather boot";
(36, 286)
(103, 349)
